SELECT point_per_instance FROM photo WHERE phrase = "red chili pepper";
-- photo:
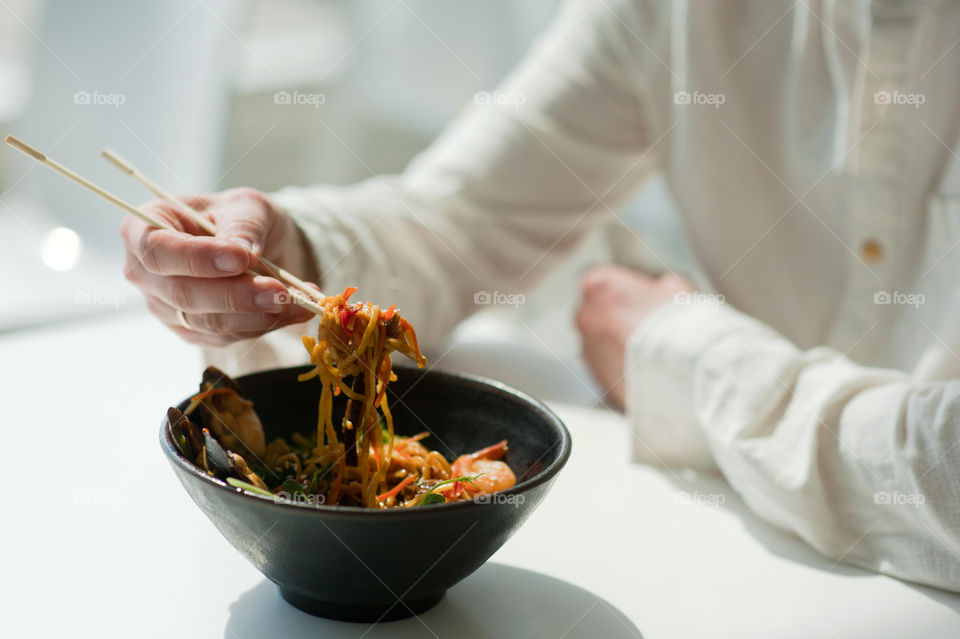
(347, 292)
(346, 315)
(388, 314)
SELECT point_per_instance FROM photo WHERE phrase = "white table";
(100, 540)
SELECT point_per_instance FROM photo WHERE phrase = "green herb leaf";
(317, 475)
(250, 488)
(431, 497)
(383, 430)
(293, 487)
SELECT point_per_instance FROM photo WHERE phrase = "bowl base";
(361, 613)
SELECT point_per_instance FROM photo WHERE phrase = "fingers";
(197, 202)
(604, 277)
(171, 214)
(185, 273)
(182, 252)
(243, 216)
(239, 294)
(206, 339)
(217, 329)
(172, 253)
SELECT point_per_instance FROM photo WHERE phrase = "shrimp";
(494, 475)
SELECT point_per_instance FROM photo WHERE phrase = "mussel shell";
(185, 434)
(243, 471)
(215, 377)
(208, 412)
(209, 420)
(216, 459)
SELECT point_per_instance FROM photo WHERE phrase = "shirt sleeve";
(505, 192)
(860, 462)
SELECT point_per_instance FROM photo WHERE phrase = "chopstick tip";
(20, 145)
(111, 156)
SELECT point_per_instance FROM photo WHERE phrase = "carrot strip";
(393, 492)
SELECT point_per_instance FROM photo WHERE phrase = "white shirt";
(809, 147)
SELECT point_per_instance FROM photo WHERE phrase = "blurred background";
(186, 90)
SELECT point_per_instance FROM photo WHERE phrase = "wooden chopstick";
(274, 270)
(306, 301)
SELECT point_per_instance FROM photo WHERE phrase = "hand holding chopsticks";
(269, 267)
(300, 292)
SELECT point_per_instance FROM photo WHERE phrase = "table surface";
(616, 550)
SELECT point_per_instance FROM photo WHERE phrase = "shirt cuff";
(663, 353)
(310, 210)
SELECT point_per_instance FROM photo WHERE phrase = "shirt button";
(871, 251)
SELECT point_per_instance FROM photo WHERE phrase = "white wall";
(198, 82)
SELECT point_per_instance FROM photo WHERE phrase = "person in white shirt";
(811, 151)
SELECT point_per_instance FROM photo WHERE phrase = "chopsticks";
(281, 274)
(300, 292)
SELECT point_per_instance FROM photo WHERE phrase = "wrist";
(662, 357)
(294, 251)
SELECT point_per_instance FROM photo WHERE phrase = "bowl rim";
(545, 475)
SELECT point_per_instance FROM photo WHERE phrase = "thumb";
(243, 216)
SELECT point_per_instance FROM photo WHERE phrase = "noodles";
(364, 464)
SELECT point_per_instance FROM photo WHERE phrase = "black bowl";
(368, 565)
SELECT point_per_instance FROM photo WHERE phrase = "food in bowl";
(368, 465)
(229, 444)
(383, 550)
(366, 564)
